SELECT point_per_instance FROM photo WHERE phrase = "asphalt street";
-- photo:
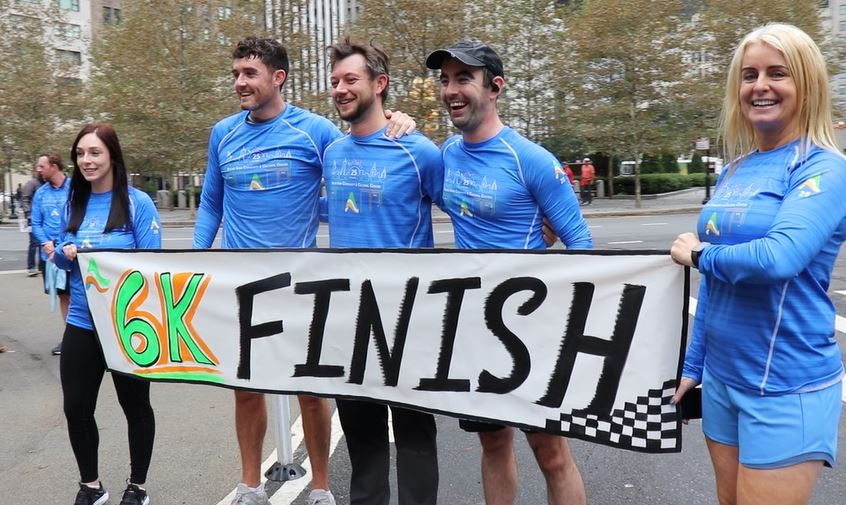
(196, 460)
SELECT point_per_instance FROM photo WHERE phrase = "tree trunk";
(609, 191)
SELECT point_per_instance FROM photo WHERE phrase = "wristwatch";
(695, 252)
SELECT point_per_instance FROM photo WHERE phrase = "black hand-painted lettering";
(615, 351)
(455, 289)
(245, 294)
(489, 383)
(322, 291)
(369, 322)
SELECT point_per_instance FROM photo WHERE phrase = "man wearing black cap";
(497, 188)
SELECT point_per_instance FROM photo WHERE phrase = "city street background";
(196, 459)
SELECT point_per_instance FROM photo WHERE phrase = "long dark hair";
(80, 189)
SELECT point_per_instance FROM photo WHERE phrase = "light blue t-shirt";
(380, 190)
(143, 234)
(763, 321)
(498, 191)
(263, 180)
(48, 204)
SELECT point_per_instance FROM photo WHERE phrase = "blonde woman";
(763, 342)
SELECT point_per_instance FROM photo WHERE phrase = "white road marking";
(839, 325)
(291, 489)
(653, 224)
(12, 272)
(622, 242)
(841, 293)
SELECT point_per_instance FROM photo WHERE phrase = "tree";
(30, 117)
(527, 35)
(164, 84)
(629, 55)
(409, 30)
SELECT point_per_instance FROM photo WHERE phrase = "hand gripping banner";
(582, 344)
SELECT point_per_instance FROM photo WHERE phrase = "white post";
(284, 469)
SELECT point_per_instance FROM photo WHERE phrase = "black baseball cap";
(473, 54)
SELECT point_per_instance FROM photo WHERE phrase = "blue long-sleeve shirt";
(764, 321)
(48, 203)
(380, 190)
(143, 234)
(263, 180)
(498, 191)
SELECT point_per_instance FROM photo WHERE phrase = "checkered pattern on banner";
(650, 424)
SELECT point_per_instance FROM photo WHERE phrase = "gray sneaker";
(320, 497)
(246, 496)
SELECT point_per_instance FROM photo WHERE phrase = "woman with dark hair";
(103, 211)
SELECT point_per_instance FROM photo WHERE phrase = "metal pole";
(284, 469)
(707, 176)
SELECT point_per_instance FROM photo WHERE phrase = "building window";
(69, 58)
(69, 5)
(111, 16)
(224, 13)
(843, 9)
(69, 31)
(843, 25)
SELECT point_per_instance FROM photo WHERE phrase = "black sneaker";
(91, 496)
(57, 350)
(134, 495)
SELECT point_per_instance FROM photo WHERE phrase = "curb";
(445, 219)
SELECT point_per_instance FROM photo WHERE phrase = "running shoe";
(246, 496)
(91, 496)
(320, 497)
(134, 495)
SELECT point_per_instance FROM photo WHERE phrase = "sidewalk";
(679, 202)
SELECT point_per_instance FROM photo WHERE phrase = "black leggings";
(81, 368)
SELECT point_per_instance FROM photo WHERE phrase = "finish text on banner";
(585, 344)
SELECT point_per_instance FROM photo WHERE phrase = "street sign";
(703, 144)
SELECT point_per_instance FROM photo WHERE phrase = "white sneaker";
(246, 496)
(320, 497)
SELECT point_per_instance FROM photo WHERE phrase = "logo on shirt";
(465, 210)
(711, 226)
(154, 226)
(560, 174)
(255, 183)
(350, 205)
(810, 187)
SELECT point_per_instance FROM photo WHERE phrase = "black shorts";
(483, 427)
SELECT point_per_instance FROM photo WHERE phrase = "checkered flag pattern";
(650, 424)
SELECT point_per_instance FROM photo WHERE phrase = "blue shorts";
(772, 431)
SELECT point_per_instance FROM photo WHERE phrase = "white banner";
(584, 344)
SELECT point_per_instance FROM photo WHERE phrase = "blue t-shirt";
(263, 180)
(764, 322)
(48, 204)
(144, 234)
(498, 191)
(380, 190)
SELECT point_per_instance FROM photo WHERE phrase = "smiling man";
(263, 180)
(380, 192)
(497, 188)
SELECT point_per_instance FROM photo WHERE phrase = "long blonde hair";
(807, 68)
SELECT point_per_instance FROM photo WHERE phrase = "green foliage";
(31, 97)
(696, 164)
(163, 95)
(659, 183)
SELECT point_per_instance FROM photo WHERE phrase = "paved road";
(196, 457)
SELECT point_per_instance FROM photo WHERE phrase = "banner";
(585, 344)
